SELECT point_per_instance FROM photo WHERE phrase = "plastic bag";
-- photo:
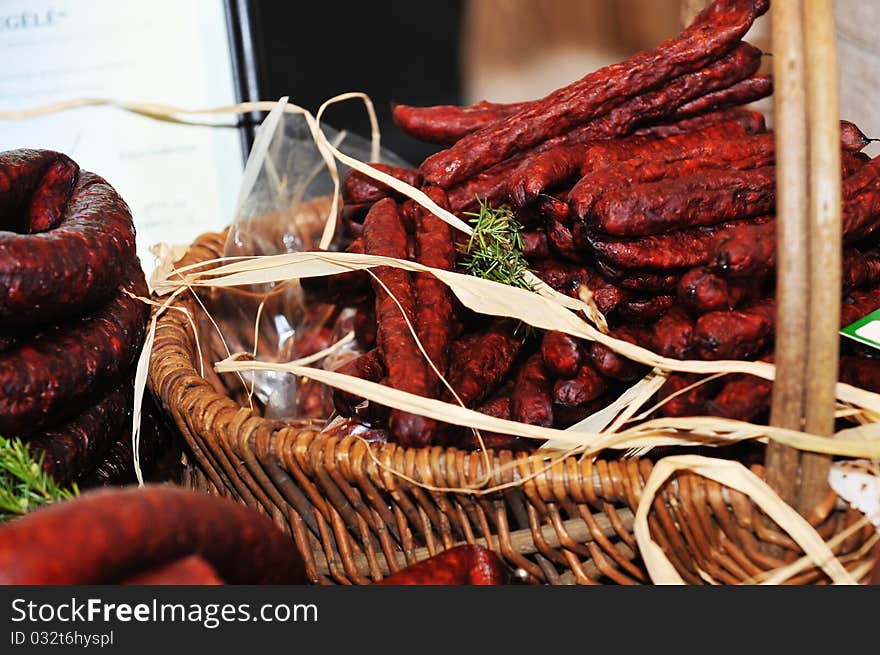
(283, 203)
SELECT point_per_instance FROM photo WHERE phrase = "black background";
(394, 50)
(506, 619)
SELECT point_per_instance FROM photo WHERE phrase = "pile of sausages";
(71, 328)
(645, 184)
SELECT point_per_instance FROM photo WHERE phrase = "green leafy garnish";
(24, 485)
(494, 251)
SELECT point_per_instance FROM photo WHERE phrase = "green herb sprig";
(494, 251)
(24, 485)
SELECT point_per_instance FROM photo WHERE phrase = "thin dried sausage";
(407, 370)
(715, 31)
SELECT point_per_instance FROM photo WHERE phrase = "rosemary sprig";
(24, 485)
(494, 251)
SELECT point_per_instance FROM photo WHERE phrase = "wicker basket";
(355, 522)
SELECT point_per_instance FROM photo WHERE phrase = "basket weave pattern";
(355, 521)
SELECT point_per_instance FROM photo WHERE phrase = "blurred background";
(451, 52)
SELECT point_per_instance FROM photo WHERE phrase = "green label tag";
(866, 330)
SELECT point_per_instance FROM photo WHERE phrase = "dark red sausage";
(564, 417)
(560, 157)
(365, 325)
(117, 468)
(584, 387)
(861, 268)
(686, 403)
(569, 278)
(479, 364)
(645, 309)
(615, 366)
(747, 250)
(446, 124)
(311, 339)
(743, 92)
(702, 158)
(22, 175)
(681, 249)
(851, 137)
(863, 179)
(489, 186)
(752, 122)
(861, 372)
(59, 273)
(435, 247)
(857, 304)
(639, 280)
(407, 370)
(73, 449)
(548, 167)
(524, 176)
(367, 366)
(352, 217)
(736, 334)
(535, 245)
(560, 236)
(743, 397)
(742, 333)
(51, 196)
(860, 214)
(462, 565)
(697, 195)
(190, 570)
(55, 373)
(703, 291)
(358, 188)
(715, 31)
(561, 353)
(532, 396)
(104, 537)
(553, 208)
(672, 335)
(499, 407)
(704, 198)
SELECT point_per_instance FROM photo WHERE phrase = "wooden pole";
(825, 242)
(792, 293)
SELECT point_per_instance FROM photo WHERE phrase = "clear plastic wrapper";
(283, 203)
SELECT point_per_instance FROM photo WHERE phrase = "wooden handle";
(792, 225)
(825, 242)
(808, 242)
